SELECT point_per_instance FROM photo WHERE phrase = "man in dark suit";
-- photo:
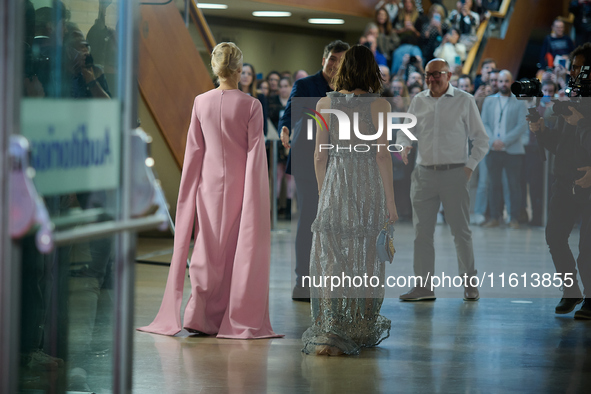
(314, 86)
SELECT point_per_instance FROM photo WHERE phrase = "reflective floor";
(504, 343)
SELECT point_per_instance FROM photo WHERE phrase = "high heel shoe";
(195, 332)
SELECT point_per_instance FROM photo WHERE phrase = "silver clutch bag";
(385, 243)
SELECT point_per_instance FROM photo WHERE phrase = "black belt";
(443, 167)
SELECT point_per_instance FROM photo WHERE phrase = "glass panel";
(71, 115)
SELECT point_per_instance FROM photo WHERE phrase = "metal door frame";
(10, 61)
(11, 53)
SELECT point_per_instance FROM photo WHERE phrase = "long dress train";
(351, 213)
(224, 184)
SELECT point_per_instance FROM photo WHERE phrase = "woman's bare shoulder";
(381, 105)
(324, 102)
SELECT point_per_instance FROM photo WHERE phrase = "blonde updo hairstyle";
(226, 59)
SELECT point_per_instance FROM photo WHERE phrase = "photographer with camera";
(466, 21)
(86, 79)
(408, 26)
(571, 188)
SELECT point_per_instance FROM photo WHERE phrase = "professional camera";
(533, 115)
(89, 61)
(37, 66)
(581, 87)
(528, 87)
(36, 61)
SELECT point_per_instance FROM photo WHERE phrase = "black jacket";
(564, 141)
(314, 87)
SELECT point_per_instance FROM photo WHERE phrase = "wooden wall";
(171, 73)
(528, 15)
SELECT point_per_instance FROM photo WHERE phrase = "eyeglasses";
(435, 74)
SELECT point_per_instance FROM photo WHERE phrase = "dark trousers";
(307, 192)
(33, 300)
(495, 162)
(534, 176)
(564, 210)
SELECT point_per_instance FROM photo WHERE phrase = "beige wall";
(276, 50)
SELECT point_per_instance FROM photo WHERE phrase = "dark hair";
(45, 16)
(554, 85)
(288, 79)
(251, 88)
(465, 76)
(584, 51)
(29, 22)
(385, 28)
(358, 70)
(414, 85)
(494, 71)
(271, 73)
(260, 83)
(488, 61)
(337, 46)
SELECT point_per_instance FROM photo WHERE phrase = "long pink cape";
(225, 184)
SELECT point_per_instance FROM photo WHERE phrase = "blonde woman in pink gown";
(225, 185)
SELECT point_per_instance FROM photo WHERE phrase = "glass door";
(74, 95)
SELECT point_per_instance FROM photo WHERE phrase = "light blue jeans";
(483, 190)
(399, 53)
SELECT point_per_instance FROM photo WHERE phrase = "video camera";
(529, 87)
(35, 64)
(580, 86)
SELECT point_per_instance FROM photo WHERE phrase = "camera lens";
(532, 88)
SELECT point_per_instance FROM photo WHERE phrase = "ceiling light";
(211, 6)
(271, 14)
(326, 21)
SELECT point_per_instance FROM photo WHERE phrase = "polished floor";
(508, 342)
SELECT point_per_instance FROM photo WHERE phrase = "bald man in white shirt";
(446, 119)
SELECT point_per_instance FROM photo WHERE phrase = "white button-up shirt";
(443, 128)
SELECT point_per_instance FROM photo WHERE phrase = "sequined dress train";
(351, 212)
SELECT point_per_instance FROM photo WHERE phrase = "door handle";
(27, 208)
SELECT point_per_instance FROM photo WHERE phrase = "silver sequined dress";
(351, 212)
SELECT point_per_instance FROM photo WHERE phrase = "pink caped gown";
(225, 183)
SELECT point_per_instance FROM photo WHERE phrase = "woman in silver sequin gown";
(356, 200)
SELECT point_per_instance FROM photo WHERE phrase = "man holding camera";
(570, 193)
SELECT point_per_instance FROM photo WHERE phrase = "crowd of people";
(469, 131)
(404, 36)
(486, 134)
(338, 219)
